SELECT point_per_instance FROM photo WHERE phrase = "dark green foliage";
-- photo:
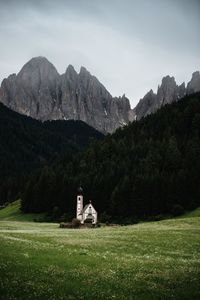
(140, 171)
(76, 223)
(177, 210)
(26, 144)
(105, 218)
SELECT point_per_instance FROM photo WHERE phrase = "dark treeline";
(27, 144)
(145, 169)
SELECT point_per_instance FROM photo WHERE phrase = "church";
(88, 214)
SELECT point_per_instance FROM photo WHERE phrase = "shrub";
(88, 221)
(104, 217)
(65, 218)
(156, 218)
(76, 223)
(177, 210)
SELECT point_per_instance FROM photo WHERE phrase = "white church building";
(87, 213)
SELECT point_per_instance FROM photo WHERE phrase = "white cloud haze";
(128, 45)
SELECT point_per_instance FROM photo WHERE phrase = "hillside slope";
(142, 170)
(12, 212)
(26, 144)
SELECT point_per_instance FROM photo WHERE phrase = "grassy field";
(12, 212)
(159, 260)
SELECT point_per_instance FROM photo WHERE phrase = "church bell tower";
(79, 206)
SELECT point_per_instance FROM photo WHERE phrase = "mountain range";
(39, 91)
(167, 92)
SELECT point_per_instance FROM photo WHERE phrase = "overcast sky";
(129, 45)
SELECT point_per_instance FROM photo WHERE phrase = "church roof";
(86, 206)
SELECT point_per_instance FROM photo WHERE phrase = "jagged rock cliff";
(40, 92)
(147, 105)
(167, 92)
(194, 85)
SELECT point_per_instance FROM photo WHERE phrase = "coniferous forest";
(148, 168)
(27, 144)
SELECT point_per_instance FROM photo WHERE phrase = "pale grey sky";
(128, 45)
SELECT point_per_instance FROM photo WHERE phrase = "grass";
(157, 260)
(194, 213)
(12, 212)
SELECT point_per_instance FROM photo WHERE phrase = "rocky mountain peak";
(167, 79)
(84, 76)
(168, 83)
(195, 75)
(167, 92)
(150, 92)
(146, 105)
(84, 71)
(40, 92)
(71, 73)
(36, 73)
(40, 66)
(194, 84)
(181, 90)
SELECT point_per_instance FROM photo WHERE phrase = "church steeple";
(79, 206)
(80, 190)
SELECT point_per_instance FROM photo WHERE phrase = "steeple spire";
(80, 190)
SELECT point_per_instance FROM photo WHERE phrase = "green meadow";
(155, 260)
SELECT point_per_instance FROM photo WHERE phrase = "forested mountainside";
(143, 169)
(26, 144)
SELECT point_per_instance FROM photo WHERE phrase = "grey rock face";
(167, 92)
(147, 105)
(181, 91)
(40, 92)
(194, 85)
(31, 92)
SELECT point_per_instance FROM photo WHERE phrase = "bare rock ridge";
(39, 91)
(167, 92)
(194, 85)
